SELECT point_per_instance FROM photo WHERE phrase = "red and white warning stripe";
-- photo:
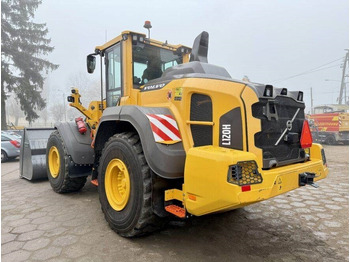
(164, 128)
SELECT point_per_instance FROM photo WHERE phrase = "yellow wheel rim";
(117, 184)
(54, 162)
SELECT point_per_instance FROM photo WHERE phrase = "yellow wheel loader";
(173, 135)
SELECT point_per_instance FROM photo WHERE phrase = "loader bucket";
(32, 160)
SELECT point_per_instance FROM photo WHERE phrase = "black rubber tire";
(330, 140)
(4, 156)
(62, 183)
(137, 217)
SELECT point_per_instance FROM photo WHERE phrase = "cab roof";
(150, 41)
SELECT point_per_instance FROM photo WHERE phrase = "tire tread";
(148, 221)
(69, 184)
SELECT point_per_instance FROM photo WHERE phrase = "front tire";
(125, 188)
(57, 166)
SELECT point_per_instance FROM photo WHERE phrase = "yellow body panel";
(225, 96)
(109, 43)
(206, 175)
(127, 73)
(174, 194)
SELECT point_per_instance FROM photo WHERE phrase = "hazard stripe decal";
(159, 135)
(164, 128)
(168, 123)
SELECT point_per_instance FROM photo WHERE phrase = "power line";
(328, 63)
(321, 67)
(305, 73)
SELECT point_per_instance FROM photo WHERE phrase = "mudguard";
(79, 149)
(166, 161)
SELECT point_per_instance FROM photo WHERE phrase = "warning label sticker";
(178, 94)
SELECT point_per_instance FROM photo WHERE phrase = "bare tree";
(57, 112)
(14, 109)
(72, 113)
(44, 113)
(88, 88)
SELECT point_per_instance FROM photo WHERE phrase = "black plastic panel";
(231, 134)
(274, 114)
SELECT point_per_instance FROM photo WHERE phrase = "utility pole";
(343, 85)
(312, 102)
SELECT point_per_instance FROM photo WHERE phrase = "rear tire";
(4, 156)
(57, 166)
(130, 213)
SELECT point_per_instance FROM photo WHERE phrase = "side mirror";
(90, 63)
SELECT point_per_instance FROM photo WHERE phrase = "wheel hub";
(117, 184)
(54, 162)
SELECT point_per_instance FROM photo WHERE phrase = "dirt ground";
(307, 224)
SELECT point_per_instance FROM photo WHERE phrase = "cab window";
(149, 62)
(114, 83)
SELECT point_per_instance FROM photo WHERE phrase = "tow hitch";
(307, 179)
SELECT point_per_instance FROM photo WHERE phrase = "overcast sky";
(267, 40)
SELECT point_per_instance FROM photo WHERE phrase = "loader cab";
(131, 61)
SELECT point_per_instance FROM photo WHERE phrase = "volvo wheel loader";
(173, 135)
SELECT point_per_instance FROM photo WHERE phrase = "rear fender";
(167, 161)
(78, 145)
(80, 152)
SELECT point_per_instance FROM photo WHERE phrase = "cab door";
(113, 75)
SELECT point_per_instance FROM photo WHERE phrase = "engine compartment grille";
(201, 110)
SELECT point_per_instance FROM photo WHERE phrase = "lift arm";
(74, 100)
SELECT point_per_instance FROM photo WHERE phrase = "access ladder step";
(176, 210)
(94, 182)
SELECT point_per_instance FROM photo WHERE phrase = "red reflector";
(306, 137)
(15, 143)
(246, 188)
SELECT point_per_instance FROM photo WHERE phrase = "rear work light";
(15, 143)
(306, 137)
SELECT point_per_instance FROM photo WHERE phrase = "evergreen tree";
(23, 45)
